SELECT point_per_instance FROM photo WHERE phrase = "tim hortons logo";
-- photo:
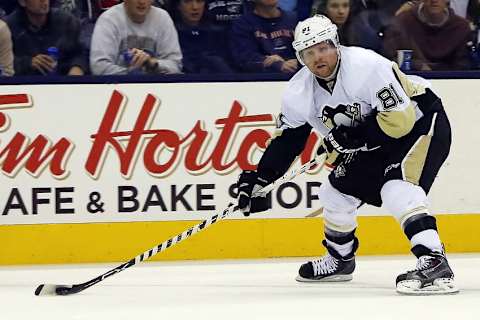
(143, 142)
(33, 156)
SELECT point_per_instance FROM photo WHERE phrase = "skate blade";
(439, 286)
(334, 278)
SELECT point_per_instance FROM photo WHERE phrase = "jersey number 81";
(389, 97)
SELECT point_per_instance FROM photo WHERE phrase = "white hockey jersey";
(365, 82)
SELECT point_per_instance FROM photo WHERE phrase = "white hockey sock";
(342, 249)
(429, 238)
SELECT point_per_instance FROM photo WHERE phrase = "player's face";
(321, 59)
(191, 11)
(338, 11)
(137, 10)
(36, 7)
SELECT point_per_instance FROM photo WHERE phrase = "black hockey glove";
(341, 144)
(248, 201)
(334, 158)
(345, 139)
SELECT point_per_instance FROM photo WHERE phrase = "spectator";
(87, 11)
(202, 44)
(224, 12)
(468, 9)
(6, 54)
(339, 12)
(34, 29)
(302, 8)
(261, 40)
(436, 35)
(134, 36)
(91, 8)
(359, 6)
(368, 21)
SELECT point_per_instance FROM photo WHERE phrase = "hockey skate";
(431, 276)
(332, 267)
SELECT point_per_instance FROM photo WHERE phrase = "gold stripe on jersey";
(412, 89)
(396, 124)
(413, 163)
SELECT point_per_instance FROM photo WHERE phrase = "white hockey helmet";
(314, 30)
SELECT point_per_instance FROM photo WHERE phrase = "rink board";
(178, 166)
(228, 239)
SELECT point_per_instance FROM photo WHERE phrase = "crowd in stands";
(113, 37)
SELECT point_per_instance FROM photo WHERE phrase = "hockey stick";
(63, 290)
(315, 213)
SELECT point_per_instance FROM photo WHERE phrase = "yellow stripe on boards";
(228, 239)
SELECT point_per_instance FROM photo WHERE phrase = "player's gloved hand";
(341, 144)
(334, 158)
(345, 139)
(249, 201)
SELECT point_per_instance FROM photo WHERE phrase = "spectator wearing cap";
(435, 34)
(261, 40)
(135, 36)
(35, 28)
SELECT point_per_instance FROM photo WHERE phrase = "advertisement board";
(103, 153)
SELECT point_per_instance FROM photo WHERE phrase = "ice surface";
(247, 290)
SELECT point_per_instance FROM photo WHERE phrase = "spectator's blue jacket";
(253, 38)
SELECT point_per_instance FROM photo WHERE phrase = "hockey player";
(386, 136)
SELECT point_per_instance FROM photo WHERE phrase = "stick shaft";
(187, 233)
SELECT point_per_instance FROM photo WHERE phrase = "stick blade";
(52, 290)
